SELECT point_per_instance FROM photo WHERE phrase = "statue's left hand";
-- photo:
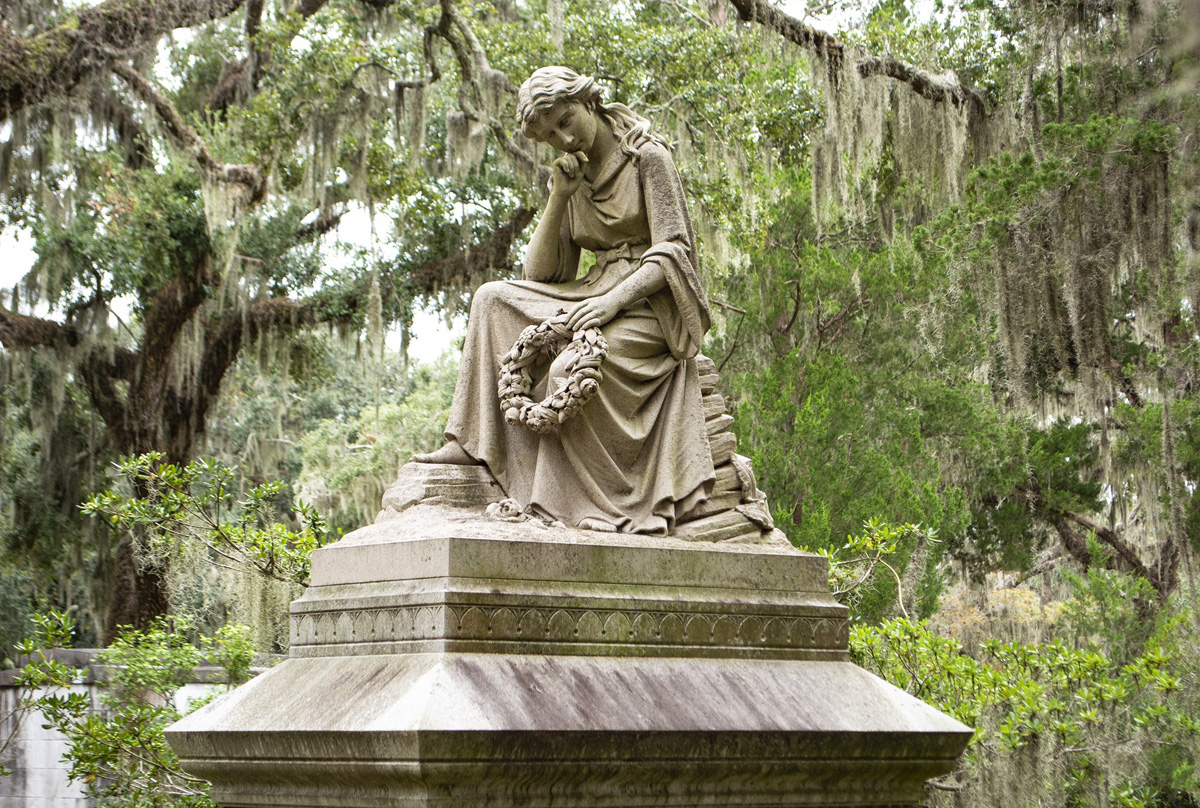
(592, 313)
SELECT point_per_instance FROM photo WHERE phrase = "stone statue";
(637, 457)
(459, 652)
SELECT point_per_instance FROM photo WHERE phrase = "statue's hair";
(549, 85)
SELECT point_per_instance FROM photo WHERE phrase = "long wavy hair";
(548, 85)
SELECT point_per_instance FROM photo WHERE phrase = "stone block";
(723, 446)
(478, 586)
(720, 527)
(713, 505)
(714, 405)
(705, 366)
(450, 730)
(717, 425)
(446, 485)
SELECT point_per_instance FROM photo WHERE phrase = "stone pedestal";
(442, 659)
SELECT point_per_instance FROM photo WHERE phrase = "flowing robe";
(636, 456)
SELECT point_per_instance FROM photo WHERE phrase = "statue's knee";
(488, 295)
(560, 367)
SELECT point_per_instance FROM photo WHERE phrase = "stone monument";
(578, 601)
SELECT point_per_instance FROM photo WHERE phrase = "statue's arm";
(596, 311)
(545, 254)
(552, 256)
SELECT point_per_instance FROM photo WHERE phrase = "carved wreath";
(583, 374)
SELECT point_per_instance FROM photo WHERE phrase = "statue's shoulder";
(655, 163)
(654, 151)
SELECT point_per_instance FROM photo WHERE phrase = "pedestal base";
(441, 660)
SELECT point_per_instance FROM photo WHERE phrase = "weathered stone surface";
(469, 585)
(713, 505)
(724, 526)
(439, 484)
(439, 659)
(719, 424)
(714, 405)
(488, 729)
(723, 445)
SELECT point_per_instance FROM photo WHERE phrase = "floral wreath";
(583, 374)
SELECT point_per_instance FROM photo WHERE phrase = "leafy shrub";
(118, 752)
(1054, 725)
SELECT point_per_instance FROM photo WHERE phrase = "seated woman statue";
(636, 456)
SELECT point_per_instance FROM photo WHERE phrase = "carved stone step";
(725, 526)
(719, 424)
(727, 480)
(708, 374)
(713, 505)
(442, 484)
(714, 405)
(723, 446)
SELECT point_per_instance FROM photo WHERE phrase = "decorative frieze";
(566, 627)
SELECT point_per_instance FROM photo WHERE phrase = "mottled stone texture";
(440, 659)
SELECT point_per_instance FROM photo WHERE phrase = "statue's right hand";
(568, 174)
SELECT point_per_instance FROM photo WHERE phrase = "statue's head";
(549, 85)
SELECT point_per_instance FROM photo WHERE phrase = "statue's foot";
(588, 523)
(452, 454)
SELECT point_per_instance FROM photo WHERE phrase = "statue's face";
(568, 126)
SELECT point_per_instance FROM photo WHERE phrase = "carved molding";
(566, 625)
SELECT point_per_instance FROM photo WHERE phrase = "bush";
(119, 752)
(1054, 725)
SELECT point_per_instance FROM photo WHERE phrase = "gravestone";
(458, 653)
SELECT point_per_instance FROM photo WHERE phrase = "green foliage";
(349, 461)
(1054, 725)
(172, 504)
(1110, 611)
(1052, 470)
(849, 419)
(49, 558)
(119, 752)
(852, 566)
(333, 426)
(955, 36)
(16, 611)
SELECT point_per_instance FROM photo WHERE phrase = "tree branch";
(479, 80)
(492, 253)
(1123, 556)
(790, 28)
(238, 78)
(21, 331)
(53, 63)
(325, 221)
(1127, 554)
(936, 88)
(105, 399)
(247, 176)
